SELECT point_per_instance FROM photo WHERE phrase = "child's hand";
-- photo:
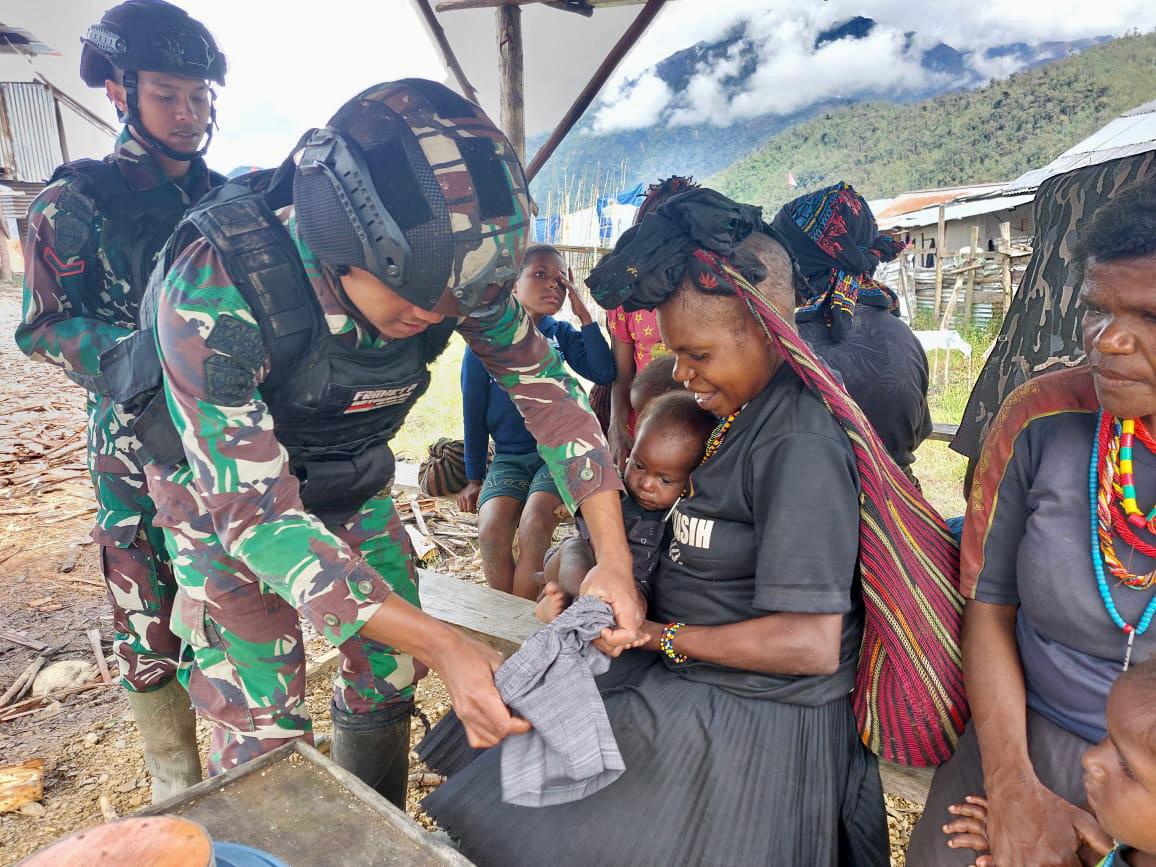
(468, 497)
(551, 602)
(576, 302)
(969, 829)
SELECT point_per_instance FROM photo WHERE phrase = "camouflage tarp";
(1041, 331)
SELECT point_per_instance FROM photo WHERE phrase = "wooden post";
(1005, 264)
(60, 128)
(940, 243)
(513, 116)
(448, 55)
(973, 260)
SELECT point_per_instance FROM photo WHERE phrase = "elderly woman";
(1059, 552)
(734, 720)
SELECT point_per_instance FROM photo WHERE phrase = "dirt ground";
(51, 591)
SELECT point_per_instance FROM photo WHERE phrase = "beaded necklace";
(1110, 438)
(718, 435)
(1101, 526)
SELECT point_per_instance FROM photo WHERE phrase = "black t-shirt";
(771, 525)
(644, 529)
(884, 369)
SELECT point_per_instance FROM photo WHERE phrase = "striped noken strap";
(909, 697)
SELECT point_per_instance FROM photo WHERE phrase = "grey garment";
(1037, 555)
(1055, 756)
(571, 752)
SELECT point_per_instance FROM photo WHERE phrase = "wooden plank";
(510, 77)
(969, 299)
(448, 55)
(597, 80)
(940, 242)
(1005, 263)
(498, 619)
(17, 637)
(910, 783)
(943, 433)
(98, 652)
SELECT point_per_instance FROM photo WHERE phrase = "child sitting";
(518, 492)
(1119, 778)
(672, 435)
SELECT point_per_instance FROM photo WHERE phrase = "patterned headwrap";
(909, 696)
(836, 242)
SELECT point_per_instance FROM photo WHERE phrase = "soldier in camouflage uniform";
(259, 529)
(92, 237)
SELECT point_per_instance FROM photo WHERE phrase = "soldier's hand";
(622, 596)
(468, 672)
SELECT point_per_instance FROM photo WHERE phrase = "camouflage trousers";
(141, 590)
(243, 658)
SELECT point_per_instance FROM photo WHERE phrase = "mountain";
(994, 133)
(591, 158)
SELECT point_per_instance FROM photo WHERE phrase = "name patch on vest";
(376, 398)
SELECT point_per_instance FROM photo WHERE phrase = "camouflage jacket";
(238, 475)
(79, 301)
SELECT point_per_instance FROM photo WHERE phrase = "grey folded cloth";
(571, 751)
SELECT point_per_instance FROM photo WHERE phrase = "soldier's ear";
(116, 95)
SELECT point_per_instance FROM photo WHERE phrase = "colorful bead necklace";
(1098, 520)
(718, 435)
(1111, 517)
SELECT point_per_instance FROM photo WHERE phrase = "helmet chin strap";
(132, 117)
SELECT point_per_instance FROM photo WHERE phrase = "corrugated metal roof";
(956, 211)
(917, 200)
(30, 140)
(1131, 133)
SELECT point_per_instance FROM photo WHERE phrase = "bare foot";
(551, 602)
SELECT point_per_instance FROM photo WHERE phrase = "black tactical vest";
(334, 408)
(137, 223)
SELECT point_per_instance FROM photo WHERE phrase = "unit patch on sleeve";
(227, 381)
(239, 339)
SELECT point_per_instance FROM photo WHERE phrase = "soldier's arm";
(213, 359)
(570, 441)
(59, 265)
(551, 401)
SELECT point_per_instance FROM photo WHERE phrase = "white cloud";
(638, 104)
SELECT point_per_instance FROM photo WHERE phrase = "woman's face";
(720, 352)
(1120, 771)
(1120, 334)
(539, 288)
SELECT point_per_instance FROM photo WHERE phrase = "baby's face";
(659, 467)
(1120, 771)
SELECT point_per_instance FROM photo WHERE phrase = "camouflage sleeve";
(551, 401)
(213, 358)
(60, 262)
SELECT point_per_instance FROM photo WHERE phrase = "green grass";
(439, 411)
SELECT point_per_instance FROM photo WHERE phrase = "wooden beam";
(940, 243)
(943, 433)
(457, 5)
(448, 55)
(975, 262)
(510, 77)
(590, 91)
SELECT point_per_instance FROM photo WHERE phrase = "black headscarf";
(651, 259)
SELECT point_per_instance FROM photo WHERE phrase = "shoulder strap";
(98, 179)
(263, 263)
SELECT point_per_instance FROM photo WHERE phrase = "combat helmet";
(416, 185)
(151, 36)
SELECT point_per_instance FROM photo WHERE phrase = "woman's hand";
(468, 497)
(576, 302)
(1029, 825)
(467, 668)
(969, 829)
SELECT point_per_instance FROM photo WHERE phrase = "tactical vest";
(335, 408)
(137, 223)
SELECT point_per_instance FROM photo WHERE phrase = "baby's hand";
(969, 829)
(551, 602)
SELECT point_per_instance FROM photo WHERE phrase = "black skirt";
(711, 778)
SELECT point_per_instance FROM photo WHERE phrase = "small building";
(914, 216)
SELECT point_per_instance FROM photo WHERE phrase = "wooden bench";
(504, 622)
(943, 433)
